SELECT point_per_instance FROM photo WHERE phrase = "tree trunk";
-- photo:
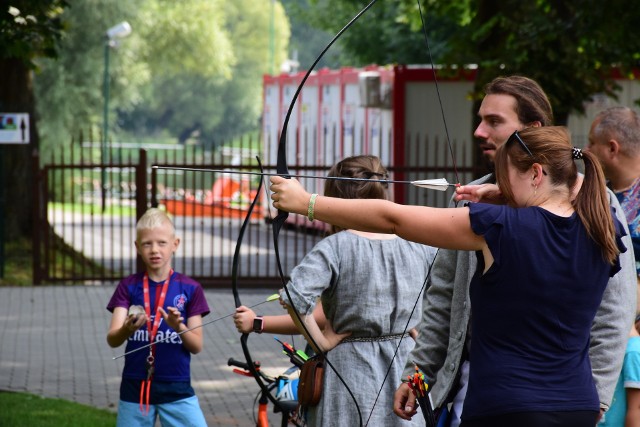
(16, 191)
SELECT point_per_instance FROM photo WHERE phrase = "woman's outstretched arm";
(441, 227)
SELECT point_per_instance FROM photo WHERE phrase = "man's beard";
(489, 164)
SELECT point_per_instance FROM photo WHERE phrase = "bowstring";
(435, 80)
(282, 216)
(455, 168)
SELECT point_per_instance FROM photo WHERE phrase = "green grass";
(23, 409)
(17, 264)
(18, 254)
(241, 141)
(82, 208)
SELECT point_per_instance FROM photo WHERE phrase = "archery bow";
(280, 219)
(238, 303)
(283, 170)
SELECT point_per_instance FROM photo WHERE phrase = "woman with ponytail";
(545, 254)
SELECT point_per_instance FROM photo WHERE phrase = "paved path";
(206, 249)
(53, 344)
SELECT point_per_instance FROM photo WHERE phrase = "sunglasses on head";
(516, 136)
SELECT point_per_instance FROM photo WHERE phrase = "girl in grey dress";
(368, 284)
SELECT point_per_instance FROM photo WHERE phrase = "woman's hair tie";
(379, 176)
(576, 153)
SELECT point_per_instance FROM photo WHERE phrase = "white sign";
(14, 128)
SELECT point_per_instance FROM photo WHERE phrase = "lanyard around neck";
(145, 388)
(153, 330)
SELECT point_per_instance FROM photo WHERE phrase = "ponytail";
(592, 206)
(550, 146)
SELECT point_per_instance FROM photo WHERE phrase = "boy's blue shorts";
(181, 413)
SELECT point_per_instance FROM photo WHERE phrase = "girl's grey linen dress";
(368, 287)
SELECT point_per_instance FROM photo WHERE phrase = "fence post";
(154, 188)
(36, 235)
(142, 201)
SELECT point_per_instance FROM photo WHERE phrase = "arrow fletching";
(439, 184)
(273, 297)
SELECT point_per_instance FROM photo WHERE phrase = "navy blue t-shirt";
(532, 312)
(172, 359)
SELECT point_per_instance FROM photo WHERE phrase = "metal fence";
(87, 210)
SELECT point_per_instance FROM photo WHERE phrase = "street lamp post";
(119, 31)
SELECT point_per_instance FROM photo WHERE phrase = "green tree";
(308, 41)
(573, 48)
(170, 41)
(222, 98)
(250, 30)
(28, 29)
(68, 87)
(189, 68)
(189, 57)
(389, 32)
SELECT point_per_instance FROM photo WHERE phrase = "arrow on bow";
(169, 337)
(439, 184)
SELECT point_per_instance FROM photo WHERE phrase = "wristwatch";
(258, 324)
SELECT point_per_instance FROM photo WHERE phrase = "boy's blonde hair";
(154, 218)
